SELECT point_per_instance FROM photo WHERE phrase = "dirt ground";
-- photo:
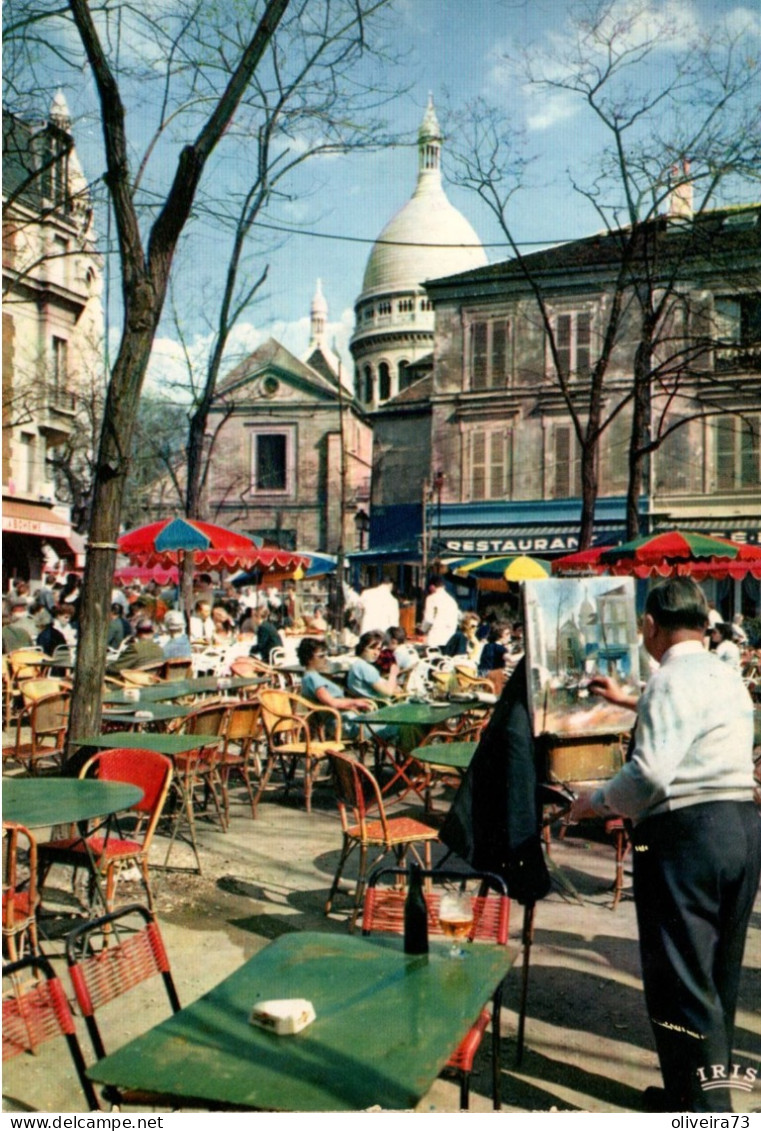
(588, 1042)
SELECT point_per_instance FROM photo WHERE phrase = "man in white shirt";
(380, 608)
(687, 788)
(441, 615)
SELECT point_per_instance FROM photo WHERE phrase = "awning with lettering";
(526, 538)
(36, 520)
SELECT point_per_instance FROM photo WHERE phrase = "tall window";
(674, 471)
(272, 456)
(491, 452)
(573, 339)
(737, 324)
(614, 446)
(60, 365)
(489, 354)
(384, 381)
(738, 453)
(566, 464)
(368, 385)
(404, 375)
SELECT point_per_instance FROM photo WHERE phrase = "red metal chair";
(384, 911)
(20, 896)
(108, 853)
(109, 957)
(38, 1012)
(366, 825)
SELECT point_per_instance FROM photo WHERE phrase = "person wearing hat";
(176, 642)
(140, 652)
(17, 633)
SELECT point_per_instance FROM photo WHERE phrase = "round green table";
(40, 802)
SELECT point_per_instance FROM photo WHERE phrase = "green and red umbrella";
(671, 553)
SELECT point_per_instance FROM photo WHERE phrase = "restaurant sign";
(525, 544)
(15, 525)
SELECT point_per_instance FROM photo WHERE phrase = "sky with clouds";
(455, 49)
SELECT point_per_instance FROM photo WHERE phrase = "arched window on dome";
(368, 397)
(357, 383)
(405, 379)
(431, 157)
(384, 381)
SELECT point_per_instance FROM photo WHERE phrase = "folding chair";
(108, 854)
(384, 911)
(357, 794)
(107, 958)
(33, 1014)
(20, 897)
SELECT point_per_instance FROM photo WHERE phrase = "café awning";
(37, 520)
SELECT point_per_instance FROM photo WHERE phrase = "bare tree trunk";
(640, 433)
(144, 281)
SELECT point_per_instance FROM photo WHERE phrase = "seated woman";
(495, 650)
(316, 686)
(465, 641)
(364, 678)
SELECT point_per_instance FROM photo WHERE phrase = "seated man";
(140, 652)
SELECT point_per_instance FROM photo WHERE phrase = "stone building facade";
(52, 329)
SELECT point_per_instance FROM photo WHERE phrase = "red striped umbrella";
(212, 547)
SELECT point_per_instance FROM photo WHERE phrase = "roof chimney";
(680, 197)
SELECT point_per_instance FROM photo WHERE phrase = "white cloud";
(168, 373)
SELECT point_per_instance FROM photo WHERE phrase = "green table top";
(159, 743)
(40, 802)
(386, 1024)
(458, 755)
(160, 712)
(416, 714)
(178, 688)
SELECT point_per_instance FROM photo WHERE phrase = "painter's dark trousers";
(696, 874)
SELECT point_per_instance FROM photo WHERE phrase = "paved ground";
(588, 1044)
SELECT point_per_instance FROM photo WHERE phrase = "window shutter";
(563, 343)
(480, 355)
(499, 354)
(478, 465)
(562, 441)
(725, 454)
(583, 344)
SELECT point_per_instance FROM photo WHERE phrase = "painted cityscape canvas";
(576, 629)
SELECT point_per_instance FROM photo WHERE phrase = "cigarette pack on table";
(284, 1015)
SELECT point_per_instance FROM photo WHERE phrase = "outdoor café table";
(424, 715)
(385, 1026)
(443, 756)
(132, 715)
(42, 802)
(179, 688)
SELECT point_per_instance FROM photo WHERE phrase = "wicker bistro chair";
(295, 732)
(242, 735)
(384, 911)
(40, 733)
(109, 957)
(38, 1012)
(366, 826)
(20, 896)
(108, 853)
